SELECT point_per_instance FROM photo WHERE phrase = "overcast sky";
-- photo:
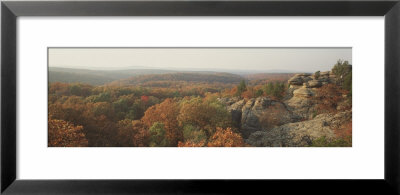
(264, 59)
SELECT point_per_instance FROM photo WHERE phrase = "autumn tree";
(132, 134)
(141, 136)
(59, 89)
(249, 93)
(65, 134)
(205, 115)
(191, 144)
(102, 97)
(193, 136)
(122, 107)
(165, 113)
(158, 136)
(225, 138)
(68, 108)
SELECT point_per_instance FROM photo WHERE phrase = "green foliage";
(204, 114)
(120, 108)
(157, 135)
(185, 112)
(153, 101)
(136, 111)
(341, 69)
(176, 94)
(125, 132)
(75, 90)
(102, 108)
(259, 92)
(314, 114)
(317, 74)
(343, 72)
(241, 88)
(193, 134)
(121, 105)
(275, 89)
(220, 117)
(324, 142)
(347, 84)
(269, 88)
(102, 97)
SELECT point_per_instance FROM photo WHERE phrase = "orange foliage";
(225, 138)
(59, 88)
(191, 144)
(249, 93)
(204, 115)
(141, 135)
(132, 133)
(195, 112)
(328, 97)
(65, 134)
(166, 113)
(273, 117)
(233, 91)
(345, 130)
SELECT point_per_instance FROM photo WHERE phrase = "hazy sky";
(264, 59)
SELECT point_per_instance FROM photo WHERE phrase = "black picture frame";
(11, 10)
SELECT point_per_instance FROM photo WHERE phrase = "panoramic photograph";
(199, 97)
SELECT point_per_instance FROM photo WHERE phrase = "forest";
(174, 109)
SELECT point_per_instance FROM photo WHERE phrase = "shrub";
(341, 69)
(275, 90)
(317, 74)
(324, 142)
(327, 98)
(347, 84)
(259, 92)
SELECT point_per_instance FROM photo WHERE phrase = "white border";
(363, 161)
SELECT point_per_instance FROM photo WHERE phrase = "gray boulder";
(303, 92)
(314, 84)
(258, 114)
(296, 80)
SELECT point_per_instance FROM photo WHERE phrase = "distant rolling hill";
(156, 77)
(269, 76)
(195, 77)
(96, 77)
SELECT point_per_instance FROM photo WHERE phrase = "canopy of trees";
(169, 109)
(134, 116)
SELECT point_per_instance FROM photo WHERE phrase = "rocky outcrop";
(311, 80)
(291, 122)
(303, 90)
(303, 93)
(300, 133)
(314, 84)
(257, 114)
(299, 79)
